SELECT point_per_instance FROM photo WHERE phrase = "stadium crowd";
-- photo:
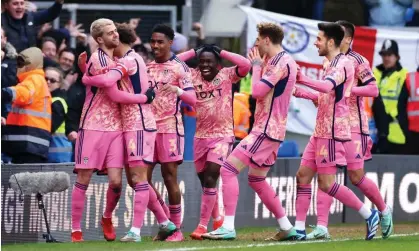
(23, 27)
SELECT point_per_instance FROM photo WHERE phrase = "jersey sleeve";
(233, 75)
(273, 74)
(185, 77)
(336, 75)
(364, 73)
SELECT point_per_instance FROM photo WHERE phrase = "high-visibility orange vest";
(412, 84)
(241, 115)
(28, 125)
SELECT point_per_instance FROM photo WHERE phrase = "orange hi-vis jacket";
(241, 115)
(28, 125)
(412, 84)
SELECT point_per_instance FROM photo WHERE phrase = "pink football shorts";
(139, 148)
(214, 150)
(324, 155)
(99, 150)
(169, 147)
(357, 149)
(261, 150)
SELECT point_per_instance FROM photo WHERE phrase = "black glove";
(199, 49)
(6, 95)
(216, 49)
(150, 95)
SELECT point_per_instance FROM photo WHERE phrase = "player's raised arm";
(261, 85)
(243, 64)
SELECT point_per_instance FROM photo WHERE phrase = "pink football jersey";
(166, 105)
(363, 76)
(99, 112)
(271, 113)
(137, 116)
(333, 111)
(214, 105)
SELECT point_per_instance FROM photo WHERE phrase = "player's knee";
(325, 183)
(301, 177)
(355, 176)
(210, 182)
(84, 176)
(115, 183)
(169, 179)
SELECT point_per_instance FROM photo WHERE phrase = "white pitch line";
(270, 244)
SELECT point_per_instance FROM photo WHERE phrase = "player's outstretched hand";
(150, 95)
(81, 62)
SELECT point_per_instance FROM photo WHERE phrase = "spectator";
(388, 118)
(60, 149)
(388, 12)
(28, 126)
(66, 60)
(20, 26)
(49, 47)
(409, 102)
(8, 69)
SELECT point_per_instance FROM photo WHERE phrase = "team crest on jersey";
(216, 81)
(165, 72)
(268, 73)
(85, 160)
(296, 37)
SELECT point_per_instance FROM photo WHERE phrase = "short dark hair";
(164, 29)
(140, 48)
(70, 50)
(332, 31)
(349, 27)
(209, 49)
(48, 39)
(126, 33)
(271, 30)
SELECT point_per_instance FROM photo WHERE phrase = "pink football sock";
(165, 207)
(216, 210)
(78, 197)
(324, 202)
(209, 196)
(155, 207)
(112, 197)
(302, 202)
(140, 203)
(345, 195)
(230, 188)
(267, 195)
(370, 189)
(176, 214)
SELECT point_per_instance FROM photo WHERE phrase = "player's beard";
(323, 51)
(111, 44)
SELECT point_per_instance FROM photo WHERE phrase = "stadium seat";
(288, 148)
